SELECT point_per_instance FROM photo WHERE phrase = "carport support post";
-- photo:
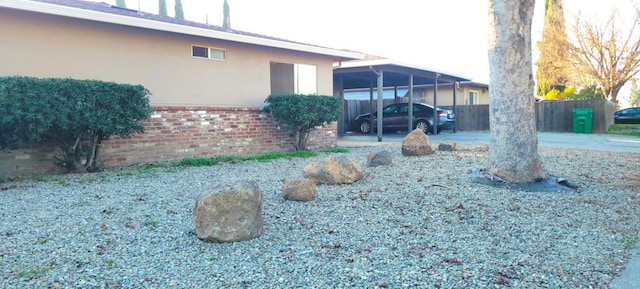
(455, 112)
(410, 124)
(435, 105)
(380, 116)
(338, 92)
(371, 107)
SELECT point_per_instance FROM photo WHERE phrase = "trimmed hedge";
(75, 115)
(303, 113)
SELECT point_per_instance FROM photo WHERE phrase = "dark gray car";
(627, 115)
(396, 117)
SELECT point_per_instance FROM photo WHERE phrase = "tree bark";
(513, 150)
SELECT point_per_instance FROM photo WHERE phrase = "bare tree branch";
(607, 54)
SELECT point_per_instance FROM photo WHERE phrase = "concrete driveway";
(596, 142)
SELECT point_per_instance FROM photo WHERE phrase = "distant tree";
(121, 3)
(553, 62)
(226, 21)
(588, 92)
(179, 11)
(162, 7)
(634, 94)
(609, 56)
(513, 143)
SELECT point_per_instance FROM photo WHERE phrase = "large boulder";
(447, 146)
(416, 143)
(230, 213)
(300, 190)
(379, 158)
(335, 170)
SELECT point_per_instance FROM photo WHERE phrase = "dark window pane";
(282, 78)
(200, 51)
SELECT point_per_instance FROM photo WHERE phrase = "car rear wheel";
(365, 126)
(424, 126)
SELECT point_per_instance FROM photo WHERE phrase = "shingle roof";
(104, 12)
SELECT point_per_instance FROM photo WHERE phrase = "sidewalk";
(629, 278)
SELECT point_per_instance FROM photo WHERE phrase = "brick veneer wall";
(174, 133)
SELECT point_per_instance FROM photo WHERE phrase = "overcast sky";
(450, 35)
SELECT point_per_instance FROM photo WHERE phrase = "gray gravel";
(418, 223)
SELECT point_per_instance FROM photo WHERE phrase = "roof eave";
(390, 62)
(52, 9)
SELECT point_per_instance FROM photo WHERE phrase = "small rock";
(229, 214)
(300, 190)
(416, 143)
(334, 170)
(447, 146)
(380, 158)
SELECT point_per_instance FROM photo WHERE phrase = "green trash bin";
(582, 119)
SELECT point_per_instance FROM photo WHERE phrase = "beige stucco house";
(207, 84)
(468, 93)
(180, 62)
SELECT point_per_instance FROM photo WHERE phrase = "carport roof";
(362, 74)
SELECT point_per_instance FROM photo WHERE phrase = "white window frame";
(294, 78)
(306, 78)
(474, 97)
(213, 53)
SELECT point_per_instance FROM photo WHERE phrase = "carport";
(386, 73)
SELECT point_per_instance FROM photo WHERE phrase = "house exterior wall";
(445, 95)
(51, 46)
(203, 107)
(173, 133)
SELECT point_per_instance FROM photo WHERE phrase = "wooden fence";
(551, 116)
(557, 116)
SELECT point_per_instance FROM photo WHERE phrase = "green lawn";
(625, 129)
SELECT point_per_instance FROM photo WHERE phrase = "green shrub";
(303, 113)
(76, 116)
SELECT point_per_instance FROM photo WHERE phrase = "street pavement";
(629, 278)
(596, 142)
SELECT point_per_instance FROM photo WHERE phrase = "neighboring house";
(366, 94)
(207, 84)
(469, 93)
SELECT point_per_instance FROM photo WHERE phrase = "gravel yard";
(417, 223)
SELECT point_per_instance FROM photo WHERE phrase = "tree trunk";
(303, 137)
(513, 150)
